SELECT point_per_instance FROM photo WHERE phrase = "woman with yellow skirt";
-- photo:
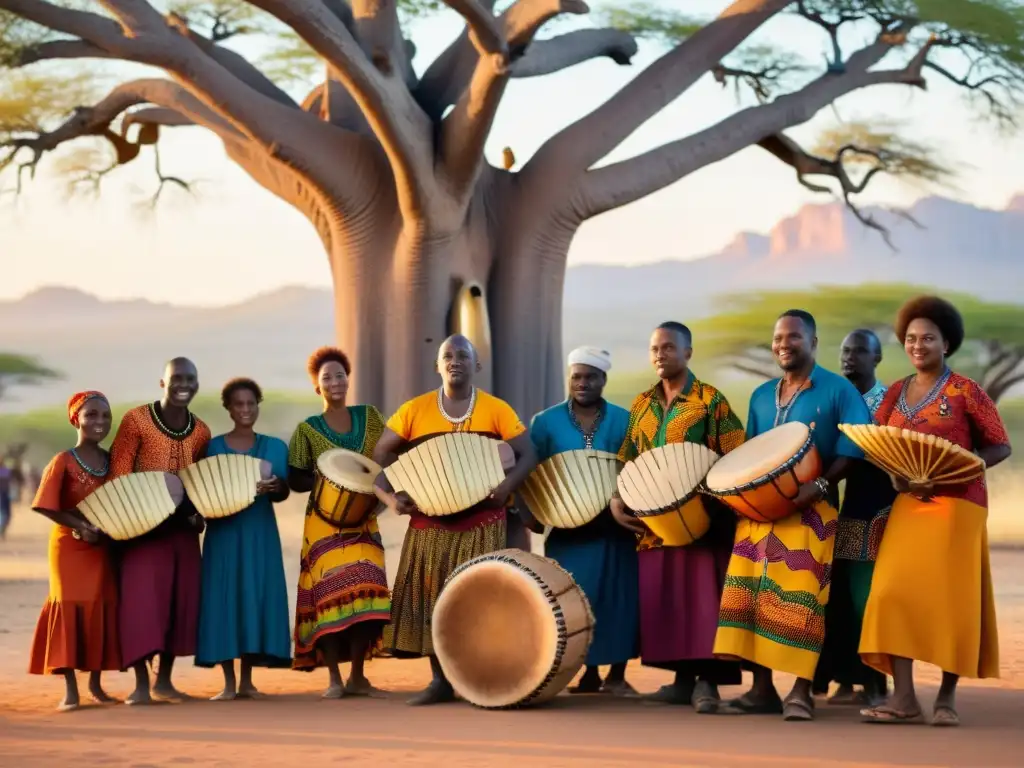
(931, 595)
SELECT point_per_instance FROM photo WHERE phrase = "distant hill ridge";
(120, 344)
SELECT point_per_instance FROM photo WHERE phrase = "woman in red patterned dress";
(77, 629)
(931, 594)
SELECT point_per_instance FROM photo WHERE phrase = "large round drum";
(342, 492)
(511, 629)
(761, 478)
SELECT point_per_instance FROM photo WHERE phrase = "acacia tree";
(388, 164)
(740, 336)
(19, 370)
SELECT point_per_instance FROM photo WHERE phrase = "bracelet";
(822, 485)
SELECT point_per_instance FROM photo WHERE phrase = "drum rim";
(695, 493)
(768, 477)
(561, 645)
(356, 456)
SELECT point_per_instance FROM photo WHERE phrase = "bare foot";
(139, 696)
(167, 692)
(334, 691)
(70, 704)
(102, 697)
(249, 692)
(228, 694)
(362, 687)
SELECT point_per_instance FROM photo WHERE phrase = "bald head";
(180, 382)
(457, 362)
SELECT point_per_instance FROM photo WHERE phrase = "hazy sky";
(237, 240)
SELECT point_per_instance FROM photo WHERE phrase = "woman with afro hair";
(343, 602)
(931, 594)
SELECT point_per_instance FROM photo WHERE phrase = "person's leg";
(590, 681)
(361, 638)
(246, 689)
(141, 694)
(330, 647)
(761, 699)
(438, 692)
(903, 705)
(163, 687)
(230, 691)
(96, 689)
(944, 712)
(799, 704)
(71, 700)
(615, 681)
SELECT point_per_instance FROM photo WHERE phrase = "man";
(435, 546)
(601, 556)
(866, 502)
(777, 587)
(5, 496)
(681, 587)
(160, 572)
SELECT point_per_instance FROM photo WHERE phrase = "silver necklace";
(451, 419)
(782, 409)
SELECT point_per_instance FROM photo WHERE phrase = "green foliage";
(651, 21)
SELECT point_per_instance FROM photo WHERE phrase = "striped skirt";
(776, 589)
(429, 555)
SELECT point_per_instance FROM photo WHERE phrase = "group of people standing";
(826, 595)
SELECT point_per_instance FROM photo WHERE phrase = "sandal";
(669, 694)
(705, 698)
(889, 716)
(620, 688)
(746, 706)
(797, 709)
(945, 717)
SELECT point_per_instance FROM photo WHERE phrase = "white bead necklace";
(452, 419)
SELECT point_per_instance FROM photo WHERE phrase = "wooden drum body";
(511, 629)
(681, 525)
(760, 479)
(342, 492)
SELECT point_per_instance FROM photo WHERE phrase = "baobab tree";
(387, 163)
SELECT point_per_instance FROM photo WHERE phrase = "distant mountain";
(119, 346)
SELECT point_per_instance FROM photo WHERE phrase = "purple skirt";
(680, 595)
(160, 590)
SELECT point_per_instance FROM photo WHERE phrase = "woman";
(931, 594)
(244, 607)
(343, 602)
(77, 629)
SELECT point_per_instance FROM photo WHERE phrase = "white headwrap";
(592, 356)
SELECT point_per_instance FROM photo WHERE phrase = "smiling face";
(332, 382)
(94, 420)
(924, 345)
(793, 345)
(586, 385)
(457, 362)
(180, 382)
(859, 356)
(669, 355)
(243, 408)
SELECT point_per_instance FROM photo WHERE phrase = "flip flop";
(888, 716)
(945, 717)
(669, 694)
(705, 699)
(742, 706)
(797, 710)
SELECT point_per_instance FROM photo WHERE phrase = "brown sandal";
(889, 716)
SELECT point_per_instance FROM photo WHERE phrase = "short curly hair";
(236, 385)
(326, 355)
(937, 310)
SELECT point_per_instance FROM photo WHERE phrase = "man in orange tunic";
(160, 572)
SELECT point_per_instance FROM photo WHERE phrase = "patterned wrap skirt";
(776, 590)
(429, 555)
(342, 583)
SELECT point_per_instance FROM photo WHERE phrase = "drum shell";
(339, 506)
(567, 608)
(770, 498)
(681, 525)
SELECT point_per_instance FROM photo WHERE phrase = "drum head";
(758, 457)
(348, 469)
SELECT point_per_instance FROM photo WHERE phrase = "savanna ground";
(293, 725)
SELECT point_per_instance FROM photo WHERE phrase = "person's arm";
(627, 452)
(851, 409)
(276, 488)
(989, 431)
(386, 453)
(300, 462)
(124, 451)
(47, 502)
(526, 461)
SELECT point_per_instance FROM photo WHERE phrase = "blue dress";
(244, 607)
(601, 556)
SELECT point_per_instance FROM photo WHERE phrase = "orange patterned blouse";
(142, 444)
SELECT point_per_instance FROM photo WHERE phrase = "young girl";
(77, 629)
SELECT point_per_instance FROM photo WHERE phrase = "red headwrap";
(78, 401)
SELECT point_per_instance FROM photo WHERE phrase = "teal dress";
(601, 555)
(244, 607)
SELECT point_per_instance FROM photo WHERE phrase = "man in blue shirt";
(777, 585)
(601, 556)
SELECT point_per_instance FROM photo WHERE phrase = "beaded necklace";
(94, 472)
(588, 436)
(459, 421)
(910, 411)
(167, 430)
(782, 409)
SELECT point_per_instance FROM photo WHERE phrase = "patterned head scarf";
(78, 401)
